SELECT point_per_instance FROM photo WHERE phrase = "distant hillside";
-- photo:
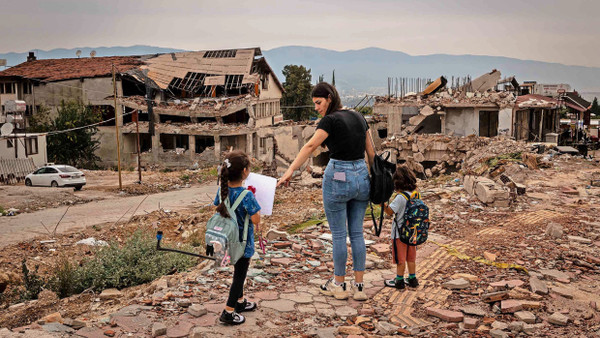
(13, 59)
(367, 70)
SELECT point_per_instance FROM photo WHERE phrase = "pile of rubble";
(450, 152)
(452, 96)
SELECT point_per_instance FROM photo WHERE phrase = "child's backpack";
(222, 234)
(415, 228)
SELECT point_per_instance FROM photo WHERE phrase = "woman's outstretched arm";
(314, 142)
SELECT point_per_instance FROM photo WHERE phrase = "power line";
(56, 132)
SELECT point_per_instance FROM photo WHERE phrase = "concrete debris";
(554, 230)
(92, 242)
(558, 318)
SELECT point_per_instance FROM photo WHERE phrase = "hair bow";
(227, 163)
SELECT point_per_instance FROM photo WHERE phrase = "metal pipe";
(159, 235)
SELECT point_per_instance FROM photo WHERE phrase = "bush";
(136, 262)
(32, 282)
(64, 280)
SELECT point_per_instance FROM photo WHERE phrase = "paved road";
(27, 226)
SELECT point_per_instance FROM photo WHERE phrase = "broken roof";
(578, 102)
(66, 69)
(536, 101)
(165, 68)
(183, 70)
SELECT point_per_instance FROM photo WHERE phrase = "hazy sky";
(545, 30)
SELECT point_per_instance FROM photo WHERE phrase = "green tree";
(333, 78)
(76, 147)
(321, 78)
(297, 98)
(595, 108)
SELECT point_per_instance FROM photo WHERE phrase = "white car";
(52, 175)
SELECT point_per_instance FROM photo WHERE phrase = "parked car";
(52, 175)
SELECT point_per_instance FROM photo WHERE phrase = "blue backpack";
(415, 228)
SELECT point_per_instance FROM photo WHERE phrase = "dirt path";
(24, 227)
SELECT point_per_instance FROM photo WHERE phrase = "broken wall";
(462, 121)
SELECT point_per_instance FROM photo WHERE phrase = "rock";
(296, 247)
(471, 323)
(281, 261)
(490, 256)
(499, 325)
(537, 286)
(498, 334)
(554, 230)
(197, 310)
(564, 292)
(281, 305)
(184, 302)
(348, 330)
(56, 328)
(447, 315)
(469, 277)
(516, 326)
(473, 310)
(159, 329)
(531, 305)
(510, 306)
(74, 323)
(494, 296)
(386, 328)
(456, 284)
(579, 239)
(316, 244)
(381, 249)
(554, 274)
(282, 245)
(52, 318)
(510, 284)
(110, 294)
(558, 319)
(531, 328)
(525, 316)
(273, 235)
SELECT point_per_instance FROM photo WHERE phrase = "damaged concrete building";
(190, 105)
(423, 127)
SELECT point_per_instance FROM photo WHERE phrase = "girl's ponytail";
(221, 209)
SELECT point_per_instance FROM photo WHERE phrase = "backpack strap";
(231, 211)
(405, 195)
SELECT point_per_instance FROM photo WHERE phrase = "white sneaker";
(358, 292)
(337, 291)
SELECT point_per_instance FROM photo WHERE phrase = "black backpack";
(382, 185)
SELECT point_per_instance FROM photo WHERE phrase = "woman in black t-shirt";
(345, 185)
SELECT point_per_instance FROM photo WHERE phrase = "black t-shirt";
(347, 131)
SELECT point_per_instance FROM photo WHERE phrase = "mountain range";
(367, 70)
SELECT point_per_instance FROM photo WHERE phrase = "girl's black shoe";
(395, 283)
(231, 318)
(413, 282)
(245, 306)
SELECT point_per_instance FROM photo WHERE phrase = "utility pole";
(117, 127)
(137, 130)
(149, 104)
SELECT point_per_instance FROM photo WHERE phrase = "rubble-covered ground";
(527, 269)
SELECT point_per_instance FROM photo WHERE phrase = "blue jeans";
(346, 188)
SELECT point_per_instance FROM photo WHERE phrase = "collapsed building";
(189, 106)
(428, 129)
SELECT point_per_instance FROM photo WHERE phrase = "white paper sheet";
(265, 191)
